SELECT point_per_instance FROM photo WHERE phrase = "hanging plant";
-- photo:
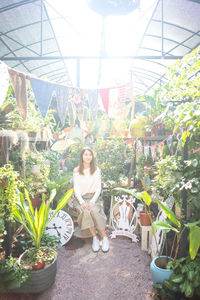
(113, 7)
(9, 189)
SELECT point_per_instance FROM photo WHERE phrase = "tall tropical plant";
(36, 220)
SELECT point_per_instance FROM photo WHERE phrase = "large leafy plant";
(186, 277)
(35, 221)
(172, 223)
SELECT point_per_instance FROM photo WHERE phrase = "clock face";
(61, 226)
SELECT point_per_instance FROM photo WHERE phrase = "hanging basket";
(113, 7)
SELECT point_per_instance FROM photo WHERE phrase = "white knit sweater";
(87, 183)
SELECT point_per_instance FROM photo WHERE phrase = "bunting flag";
(43, 91)
(153, 152)
(4, 82)
(62, 94)
(160, 147)
(170, 144)
(93, 102)
(139, 147)
(18, 81)
(122, 93)
(130, 95)
(146, 151)
(104, 93)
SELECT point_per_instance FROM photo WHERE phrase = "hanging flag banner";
(118, 110)
(130, 95)
(4, 82)
(93, 102)
(122, 93)
(43, 91)
(18, 81)
(104, 93)
(62, 94)
(146, 151)
(170, 144)
(153, 152)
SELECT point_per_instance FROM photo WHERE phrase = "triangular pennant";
(62, 94)
(146, 151)
(4, 82)
(93, 102)
(18, 81)
(153, 152)
(43, 93)
(122, 93)
(170, 144)
(104, 93)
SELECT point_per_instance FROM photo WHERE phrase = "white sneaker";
(105, 244)
(95, 244)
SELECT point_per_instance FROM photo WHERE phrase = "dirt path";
(121, 274)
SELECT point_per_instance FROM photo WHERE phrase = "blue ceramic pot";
(158, 272)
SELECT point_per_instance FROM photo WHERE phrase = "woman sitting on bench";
(87, 189)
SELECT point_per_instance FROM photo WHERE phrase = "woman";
(87, 189)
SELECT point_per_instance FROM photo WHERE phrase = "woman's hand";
(84, 205)
(90, 205)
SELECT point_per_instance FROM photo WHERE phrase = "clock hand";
(55, 228)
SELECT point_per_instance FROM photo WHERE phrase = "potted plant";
(34, 223)
(159, 271)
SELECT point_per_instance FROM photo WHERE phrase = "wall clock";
(61, 226)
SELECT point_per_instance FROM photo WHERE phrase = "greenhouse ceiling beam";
(173, 41)
(5, 44)
(173, 25)
(149, 78)
(59, 50)
(146, 71)
(90, 57)
(156, 82)
(17, 4)
(182, 43)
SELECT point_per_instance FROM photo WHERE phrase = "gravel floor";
(121, 274)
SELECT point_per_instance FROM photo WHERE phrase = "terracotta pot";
(55, 136)
(35, 202)
(38, 265)
(144, 219)
(67, 129)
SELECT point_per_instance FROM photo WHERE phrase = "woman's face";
(87, 157)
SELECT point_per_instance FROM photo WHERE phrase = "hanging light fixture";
(113, 7)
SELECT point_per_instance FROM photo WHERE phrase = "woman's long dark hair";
(92, 163)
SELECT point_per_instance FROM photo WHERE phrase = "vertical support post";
(78, 72)
(4, 160)
(183, 242)
(132, 166)
(41, 28)
(162, 30)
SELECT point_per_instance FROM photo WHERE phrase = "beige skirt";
(89, 218)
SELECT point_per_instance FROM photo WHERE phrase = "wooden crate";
(146, 237)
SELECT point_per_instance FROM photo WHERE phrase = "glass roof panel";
(41, 39)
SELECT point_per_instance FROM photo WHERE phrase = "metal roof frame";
(38, 54)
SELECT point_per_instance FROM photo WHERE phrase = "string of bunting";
(113, 99)
(151, 150)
